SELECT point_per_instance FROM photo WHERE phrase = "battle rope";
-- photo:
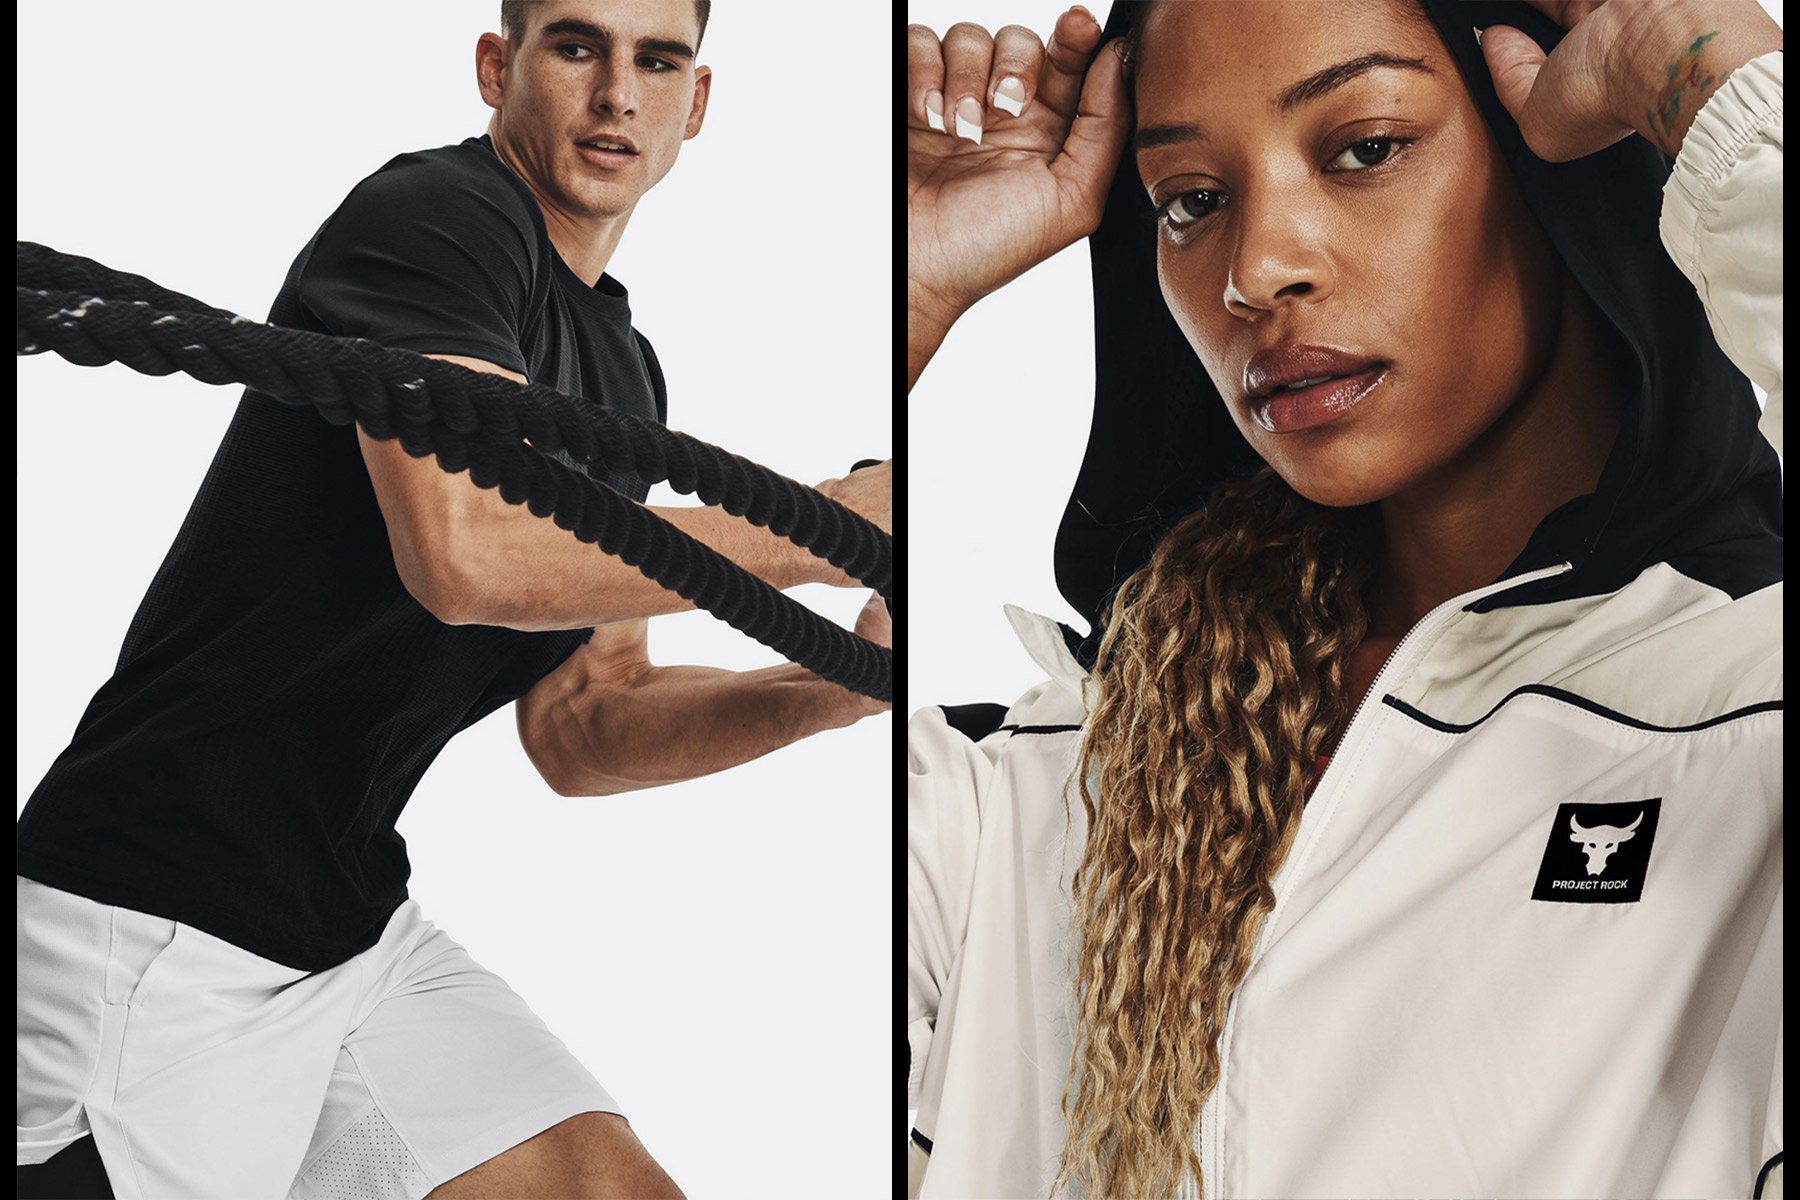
(471, 420)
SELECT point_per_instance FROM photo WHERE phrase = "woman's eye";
(1184, 208)
(1367, 152)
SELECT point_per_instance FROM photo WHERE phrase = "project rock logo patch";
(1598, 853)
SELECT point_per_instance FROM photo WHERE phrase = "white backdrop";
(718, 953)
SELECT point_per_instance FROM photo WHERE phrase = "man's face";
(593, 105)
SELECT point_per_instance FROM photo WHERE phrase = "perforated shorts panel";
(370, 1161)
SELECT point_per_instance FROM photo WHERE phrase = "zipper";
(1212, 1145)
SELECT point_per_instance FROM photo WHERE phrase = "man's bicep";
(424, 507)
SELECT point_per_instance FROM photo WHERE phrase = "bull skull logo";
(1599, 842)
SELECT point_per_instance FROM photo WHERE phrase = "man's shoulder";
(449, 209)
(464, 178)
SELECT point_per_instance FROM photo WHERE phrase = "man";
(221, 977)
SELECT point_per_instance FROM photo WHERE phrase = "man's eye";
(656, 65)
(572, 46)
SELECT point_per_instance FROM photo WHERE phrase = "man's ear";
(490, 68)
(702, 89)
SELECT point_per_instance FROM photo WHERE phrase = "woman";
(1410, 821)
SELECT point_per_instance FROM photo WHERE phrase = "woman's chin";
(1335, 485)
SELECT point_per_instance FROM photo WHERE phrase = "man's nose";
(617, 89)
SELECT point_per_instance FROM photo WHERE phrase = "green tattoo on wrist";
(1683, 74)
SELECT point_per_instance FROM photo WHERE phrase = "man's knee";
(593, 1156)
(614, 1164)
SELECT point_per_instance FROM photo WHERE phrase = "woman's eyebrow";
(1319, 83)
(1338, 74)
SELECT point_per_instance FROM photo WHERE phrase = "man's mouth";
(609, 145)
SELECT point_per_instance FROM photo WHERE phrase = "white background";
(996, 429)
(718, 953)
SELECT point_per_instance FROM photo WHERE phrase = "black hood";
(1690, 480)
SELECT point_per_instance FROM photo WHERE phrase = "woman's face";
(1374, 217)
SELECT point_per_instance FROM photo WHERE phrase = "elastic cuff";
(1746, 108)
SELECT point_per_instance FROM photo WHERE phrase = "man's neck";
(585, 243)
(1458, 530)
(587, 246)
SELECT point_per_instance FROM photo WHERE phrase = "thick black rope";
(475, 421)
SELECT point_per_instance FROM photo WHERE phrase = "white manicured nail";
(934, 110)
(1010, 95)
(968, 119)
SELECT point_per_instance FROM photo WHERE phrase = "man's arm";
(473, 559)
(608, 720)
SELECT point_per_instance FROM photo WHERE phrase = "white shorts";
(203, 1070)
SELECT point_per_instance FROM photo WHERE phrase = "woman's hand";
(1625, 66)
(1002, 172)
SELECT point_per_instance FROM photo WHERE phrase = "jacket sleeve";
(947, 778)
(1721, 223)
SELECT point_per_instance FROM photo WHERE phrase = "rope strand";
(470, 420)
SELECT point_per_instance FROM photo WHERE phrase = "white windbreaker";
(1446, 999)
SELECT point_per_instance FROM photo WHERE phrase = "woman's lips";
(1283, 411)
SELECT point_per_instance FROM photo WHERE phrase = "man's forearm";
(595, 736)
(507, 567)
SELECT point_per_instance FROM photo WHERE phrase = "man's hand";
(609, 720)
(869, 493)
(876, 625)
(1625, 66)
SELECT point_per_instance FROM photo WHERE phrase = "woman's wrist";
(928, 319)
(1681, 53)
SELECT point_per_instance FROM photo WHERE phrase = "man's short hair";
(513, 22)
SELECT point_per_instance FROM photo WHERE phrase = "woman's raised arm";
(1011, 146)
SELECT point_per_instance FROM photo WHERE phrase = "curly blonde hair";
(1220, 679)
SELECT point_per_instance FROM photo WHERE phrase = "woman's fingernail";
(934, 110)
(968, 119)
(1010, 95)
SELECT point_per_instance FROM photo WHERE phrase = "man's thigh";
(591, 1156)
(448, 1071)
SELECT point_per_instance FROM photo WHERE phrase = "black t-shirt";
(279, 692)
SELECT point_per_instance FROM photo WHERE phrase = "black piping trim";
(973, 721)
(1538, 689)
(1762, 1176)
(924, 1143)
(1038, 728)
